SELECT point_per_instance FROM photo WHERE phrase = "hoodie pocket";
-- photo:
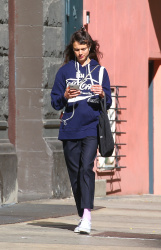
(94, 113)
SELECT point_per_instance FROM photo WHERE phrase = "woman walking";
(78, 87)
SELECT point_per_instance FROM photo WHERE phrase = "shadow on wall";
(113, 180)
(156, 66)
(155, 7)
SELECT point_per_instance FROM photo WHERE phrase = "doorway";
(74, 17)
(154, 127)
(151, 155)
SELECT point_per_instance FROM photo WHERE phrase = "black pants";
(79, 157)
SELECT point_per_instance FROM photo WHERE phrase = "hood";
(92, 62)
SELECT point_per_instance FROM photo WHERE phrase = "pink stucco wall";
(127, 37)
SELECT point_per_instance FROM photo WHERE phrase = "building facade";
(33, 38)
(129, 33)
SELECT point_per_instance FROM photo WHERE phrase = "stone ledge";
(54, 144)
(3, 125)
(54, 123)
(6, 147)
(8, 173)
(100, 188)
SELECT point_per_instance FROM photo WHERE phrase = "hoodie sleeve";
(107, 89)
(58, 101)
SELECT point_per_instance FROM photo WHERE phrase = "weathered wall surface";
(53, 47)
(4, 50)
(39, 45)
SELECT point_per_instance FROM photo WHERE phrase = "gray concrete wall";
(39, 34)
(4, 50)
(53, 47)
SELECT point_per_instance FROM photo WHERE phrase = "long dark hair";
(83, 37)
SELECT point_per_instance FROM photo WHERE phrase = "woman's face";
(81, 52)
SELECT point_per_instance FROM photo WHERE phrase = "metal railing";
(114, 160)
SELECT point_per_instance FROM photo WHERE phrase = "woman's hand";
(71, 93)
(98, 90)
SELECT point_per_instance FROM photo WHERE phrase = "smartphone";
(72, 86)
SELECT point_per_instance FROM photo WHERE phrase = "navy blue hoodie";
(80, 118)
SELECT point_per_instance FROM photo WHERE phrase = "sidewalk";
(122, 222)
